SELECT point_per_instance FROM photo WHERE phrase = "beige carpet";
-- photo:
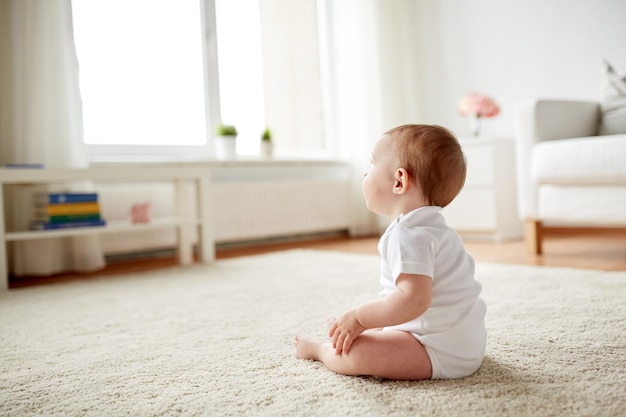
(218, 340)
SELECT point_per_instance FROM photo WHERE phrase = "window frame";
(211, 100)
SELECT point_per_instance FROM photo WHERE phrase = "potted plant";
(226, 141)
(267, 146)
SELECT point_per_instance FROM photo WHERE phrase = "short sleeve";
(411, 251)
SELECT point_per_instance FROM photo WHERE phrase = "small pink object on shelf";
(140, 213)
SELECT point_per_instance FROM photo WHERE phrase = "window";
(240, 70)
(143, 74)
(141, 83)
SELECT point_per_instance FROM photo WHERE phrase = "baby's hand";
(344, 331)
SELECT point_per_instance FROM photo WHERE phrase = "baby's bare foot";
(307, 348)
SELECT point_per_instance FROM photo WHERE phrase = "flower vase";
(475, 125)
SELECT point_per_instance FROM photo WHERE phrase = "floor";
(602, 249)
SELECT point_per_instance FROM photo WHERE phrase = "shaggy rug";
(218, 340)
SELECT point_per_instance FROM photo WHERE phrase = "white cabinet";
(486, 208)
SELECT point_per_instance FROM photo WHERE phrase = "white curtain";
(41, 122)
(369, 60)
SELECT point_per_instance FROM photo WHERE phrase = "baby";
(429, 322)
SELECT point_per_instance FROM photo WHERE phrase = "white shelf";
(179, 175)
(110, 227)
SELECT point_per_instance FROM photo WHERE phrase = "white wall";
(514, 50)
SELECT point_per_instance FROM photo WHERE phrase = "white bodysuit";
(453, 328)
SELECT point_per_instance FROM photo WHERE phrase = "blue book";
(66, 225)
(62, 198)
(25, 166)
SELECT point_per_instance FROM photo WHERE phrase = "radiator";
(255, 210)
(242, 210)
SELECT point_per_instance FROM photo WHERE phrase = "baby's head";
(433, 159)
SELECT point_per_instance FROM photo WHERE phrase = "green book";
(65, 218)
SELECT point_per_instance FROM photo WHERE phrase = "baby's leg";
(390, 354)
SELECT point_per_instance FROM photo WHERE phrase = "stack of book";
(63, 210)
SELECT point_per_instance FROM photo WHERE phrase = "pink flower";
(478, 105)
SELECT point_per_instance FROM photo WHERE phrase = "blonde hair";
(433, 159)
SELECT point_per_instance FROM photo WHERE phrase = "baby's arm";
(411, 298)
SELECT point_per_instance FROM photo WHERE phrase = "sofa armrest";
(540, 120)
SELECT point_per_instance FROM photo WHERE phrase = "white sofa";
(567, 176)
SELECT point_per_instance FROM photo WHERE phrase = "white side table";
(183, 222)
(486, 208)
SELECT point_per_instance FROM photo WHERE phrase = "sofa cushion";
(580, 161)
(613, 113)
(563, 205)
(613, 104)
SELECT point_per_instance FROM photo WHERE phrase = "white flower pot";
(267, 149)
(225, 147)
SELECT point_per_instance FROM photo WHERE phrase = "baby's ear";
(400, 181)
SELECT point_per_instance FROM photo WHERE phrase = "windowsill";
(242, 161)
(244, 169)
